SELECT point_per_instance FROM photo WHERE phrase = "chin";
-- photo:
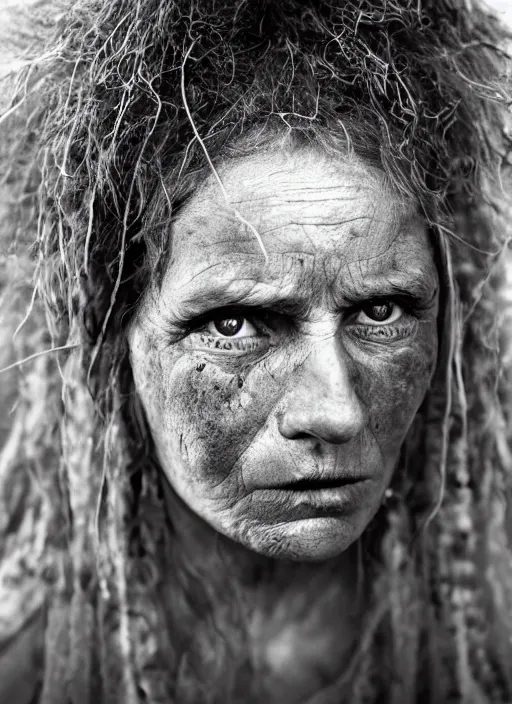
(306, 540)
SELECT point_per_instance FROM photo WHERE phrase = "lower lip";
(278, 503)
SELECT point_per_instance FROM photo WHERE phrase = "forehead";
(342, 212)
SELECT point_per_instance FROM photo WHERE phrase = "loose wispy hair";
(119, 115)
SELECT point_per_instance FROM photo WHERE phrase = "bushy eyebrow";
(237, 293)
(422, 289)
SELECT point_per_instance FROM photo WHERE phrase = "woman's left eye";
(231, 327)
(379, 313)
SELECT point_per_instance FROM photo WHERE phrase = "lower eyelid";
(227, 344)
(386, 333)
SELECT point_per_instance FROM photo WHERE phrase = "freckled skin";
(315, 395)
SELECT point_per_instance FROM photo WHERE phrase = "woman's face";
(279, 392)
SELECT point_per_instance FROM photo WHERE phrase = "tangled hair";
(117, 116)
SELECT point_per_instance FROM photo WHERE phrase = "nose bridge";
(322, 401)
(327, 366)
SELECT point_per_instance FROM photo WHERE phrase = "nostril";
(301, 436)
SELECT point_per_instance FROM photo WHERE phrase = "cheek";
(219, 414)
(393, 384)
(202, 417)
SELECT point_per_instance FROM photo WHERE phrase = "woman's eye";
(381, 313)
(231, 326)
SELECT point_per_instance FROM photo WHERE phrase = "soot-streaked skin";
(333, 350)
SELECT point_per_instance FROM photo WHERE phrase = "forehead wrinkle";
(253, 191)
(362, 255)
(363, 222)
(271, 223)
(208, 229)
(304, 225)
(238, 234)
(320, 210)
(212, 211)
(237, 263)
(287, 211)
(353, 167)
(306, 195)
(387, 235)
(285, 277)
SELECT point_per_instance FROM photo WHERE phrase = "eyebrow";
(420, 287)
(192, 302)
(238, 292)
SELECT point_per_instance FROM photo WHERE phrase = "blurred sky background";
(504, 7)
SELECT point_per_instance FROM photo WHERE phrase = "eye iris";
(379, 312)
(229, 326)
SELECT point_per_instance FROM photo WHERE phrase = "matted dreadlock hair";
(125, 96)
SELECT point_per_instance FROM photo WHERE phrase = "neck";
(293, 620)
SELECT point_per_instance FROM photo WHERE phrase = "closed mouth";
(319, 484)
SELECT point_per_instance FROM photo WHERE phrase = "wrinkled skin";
(311, 387)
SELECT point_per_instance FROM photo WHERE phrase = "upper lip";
(315, 482)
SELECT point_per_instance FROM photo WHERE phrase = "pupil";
(379, 312)
(229, 326)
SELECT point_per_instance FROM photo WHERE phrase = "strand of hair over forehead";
(96, 66)
(129, 96)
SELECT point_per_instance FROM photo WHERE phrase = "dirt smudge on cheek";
(392, 387)
(217, 417)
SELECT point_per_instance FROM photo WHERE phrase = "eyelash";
(242, 344)
(262, 320)
(255, 316)
(408, 303)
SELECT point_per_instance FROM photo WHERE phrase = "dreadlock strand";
(99, 129)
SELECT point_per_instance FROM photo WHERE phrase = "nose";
(322, 402)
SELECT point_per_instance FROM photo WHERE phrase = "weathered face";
(279, 393)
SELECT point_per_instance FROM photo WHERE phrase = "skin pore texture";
(279, 392)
